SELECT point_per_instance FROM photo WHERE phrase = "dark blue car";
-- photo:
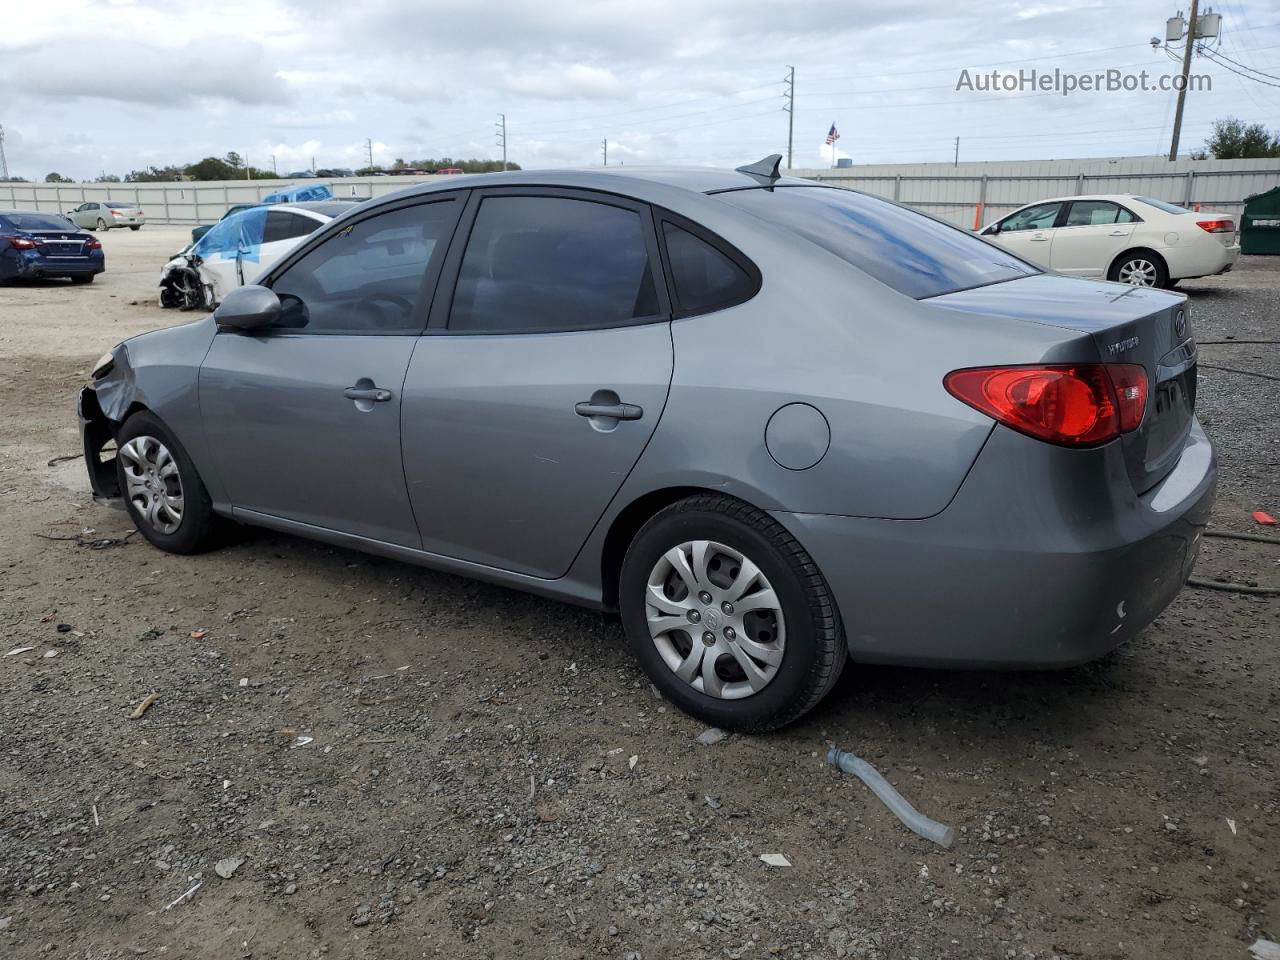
(35, 245)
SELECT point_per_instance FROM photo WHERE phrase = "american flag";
(832, 135)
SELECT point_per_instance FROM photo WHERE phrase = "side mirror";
(248, 308)
(992, 230)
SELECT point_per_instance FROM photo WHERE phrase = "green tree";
(106, 178)
(234, 160)
(1234, 139)
(57, 178)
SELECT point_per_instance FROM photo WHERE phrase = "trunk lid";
(60, 245)
(1125, 325)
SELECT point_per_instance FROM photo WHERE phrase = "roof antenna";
(765, 170)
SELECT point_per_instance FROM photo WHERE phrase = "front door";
(304, 418)
(534, 394)
(1093, 234)
(1029, 233)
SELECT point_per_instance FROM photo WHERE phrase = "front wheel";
(164, 494)
(729, 616)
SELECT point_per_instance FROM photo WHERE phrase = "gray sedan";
(104, 215)
(775, 425)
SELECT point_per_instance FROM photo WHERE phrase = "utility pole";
(790, 95)
(274, 169)
(502, 137)
(247, 168)
(606, 151)
(1186, 72)
(957, 160)
(368, 145)
(4, 164)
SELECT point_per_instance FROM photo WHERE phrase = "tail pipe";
(915, 821)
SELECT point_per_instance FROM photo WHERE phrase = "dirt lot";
(414, 765)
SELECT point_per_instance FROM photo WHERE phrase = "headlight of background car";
(104, 365)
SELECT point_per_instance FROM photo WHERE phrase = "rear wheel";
(729, 616)
(83, 278)
(135, 226)
(102, 224)
(1140, 268)
(162, 490)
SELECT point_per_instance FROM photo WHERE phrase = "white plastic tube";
(915, 821)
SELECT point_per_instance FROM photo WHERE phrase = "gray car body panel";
(945, 539)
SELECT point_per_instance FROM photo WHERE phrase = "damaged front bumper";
(98, 434)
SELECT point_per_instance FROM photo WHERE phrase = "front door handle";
(376, 394)
(1039, 237)
(612, 411)
(1119, 233)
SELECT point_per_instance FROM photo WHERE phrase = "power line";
(1239, 73)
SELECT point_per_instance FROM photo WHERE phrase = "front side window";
(905, 250)
(366, 278)
(705, 278)
(553, 263)
(1040, 217)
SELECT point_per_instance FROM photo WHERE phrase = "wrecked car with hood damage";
(239, 249)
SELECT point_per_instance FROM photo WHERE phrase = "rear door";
(303, 419)
(1029, 232)
(1093, 233)
(541, 379)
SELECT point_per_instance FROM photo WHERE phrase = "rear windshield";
(1161, 205)
(120, 206)
(37, 221)
(914, 254)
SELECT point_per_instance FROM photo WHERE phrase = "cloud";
(578, 81)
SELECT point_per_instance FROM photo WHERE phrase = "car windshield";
(1161, 205)
(37, 221)
(914, 254)
(120, 206)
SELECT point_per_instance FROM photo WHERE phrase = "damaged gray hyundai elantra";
(776, 425)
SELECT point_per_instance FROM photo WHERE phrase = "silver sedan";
(104, 215)
(776, 425)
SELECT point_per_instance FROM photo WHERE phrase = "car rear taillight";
(92, 243)
(139, 213)
(116, 213)
(1217, 226)
(22, 243)
(1070, 404)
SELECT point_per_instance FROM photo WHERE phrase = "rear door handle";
(613, 411)
(376, 394)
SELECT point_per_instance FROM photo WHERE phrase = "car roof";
(1113, 197)
(622, 180)
(326, 208)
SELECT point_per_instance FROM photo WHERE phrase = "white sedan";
(239, 249)
(1135, 240)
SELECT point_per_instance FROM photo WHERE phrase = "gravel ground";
(350, 757)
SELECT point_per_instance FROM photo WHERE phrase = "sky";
(94, 86)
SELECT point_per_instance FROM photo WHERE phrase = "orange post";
(977, 217)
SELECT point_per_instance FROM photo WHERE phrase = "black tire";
(83, 278)
(1140, 254)
(815, 650)
(102, 224)
(135, 227)
(200, 528)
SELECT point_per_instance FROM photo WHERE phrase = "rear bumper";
(1203, 259)
(32, 267)
(1044, 559)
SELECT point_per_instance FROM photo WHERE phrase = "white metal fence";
(972, 194)
(183, 203)
(967, 194)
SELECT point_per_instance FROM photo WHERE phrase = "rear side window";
(366, 278)
(907, 251)
(553, 263)
(705, 278)
(283, 225)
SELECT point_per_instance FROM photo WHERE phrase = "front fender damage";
(101, 408)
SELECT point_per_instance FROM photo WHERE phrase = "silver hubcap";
(715, 619)
(155, 488)
(1139, 273)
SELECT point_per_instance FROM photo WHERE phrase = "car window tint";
(1040, 217)
(284, 225)
(905, 250)
(37, 221)
(552, 263)
(1088, 213)
(1126, 216)
(705, 278)
(1161, 205)
(366, 278)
